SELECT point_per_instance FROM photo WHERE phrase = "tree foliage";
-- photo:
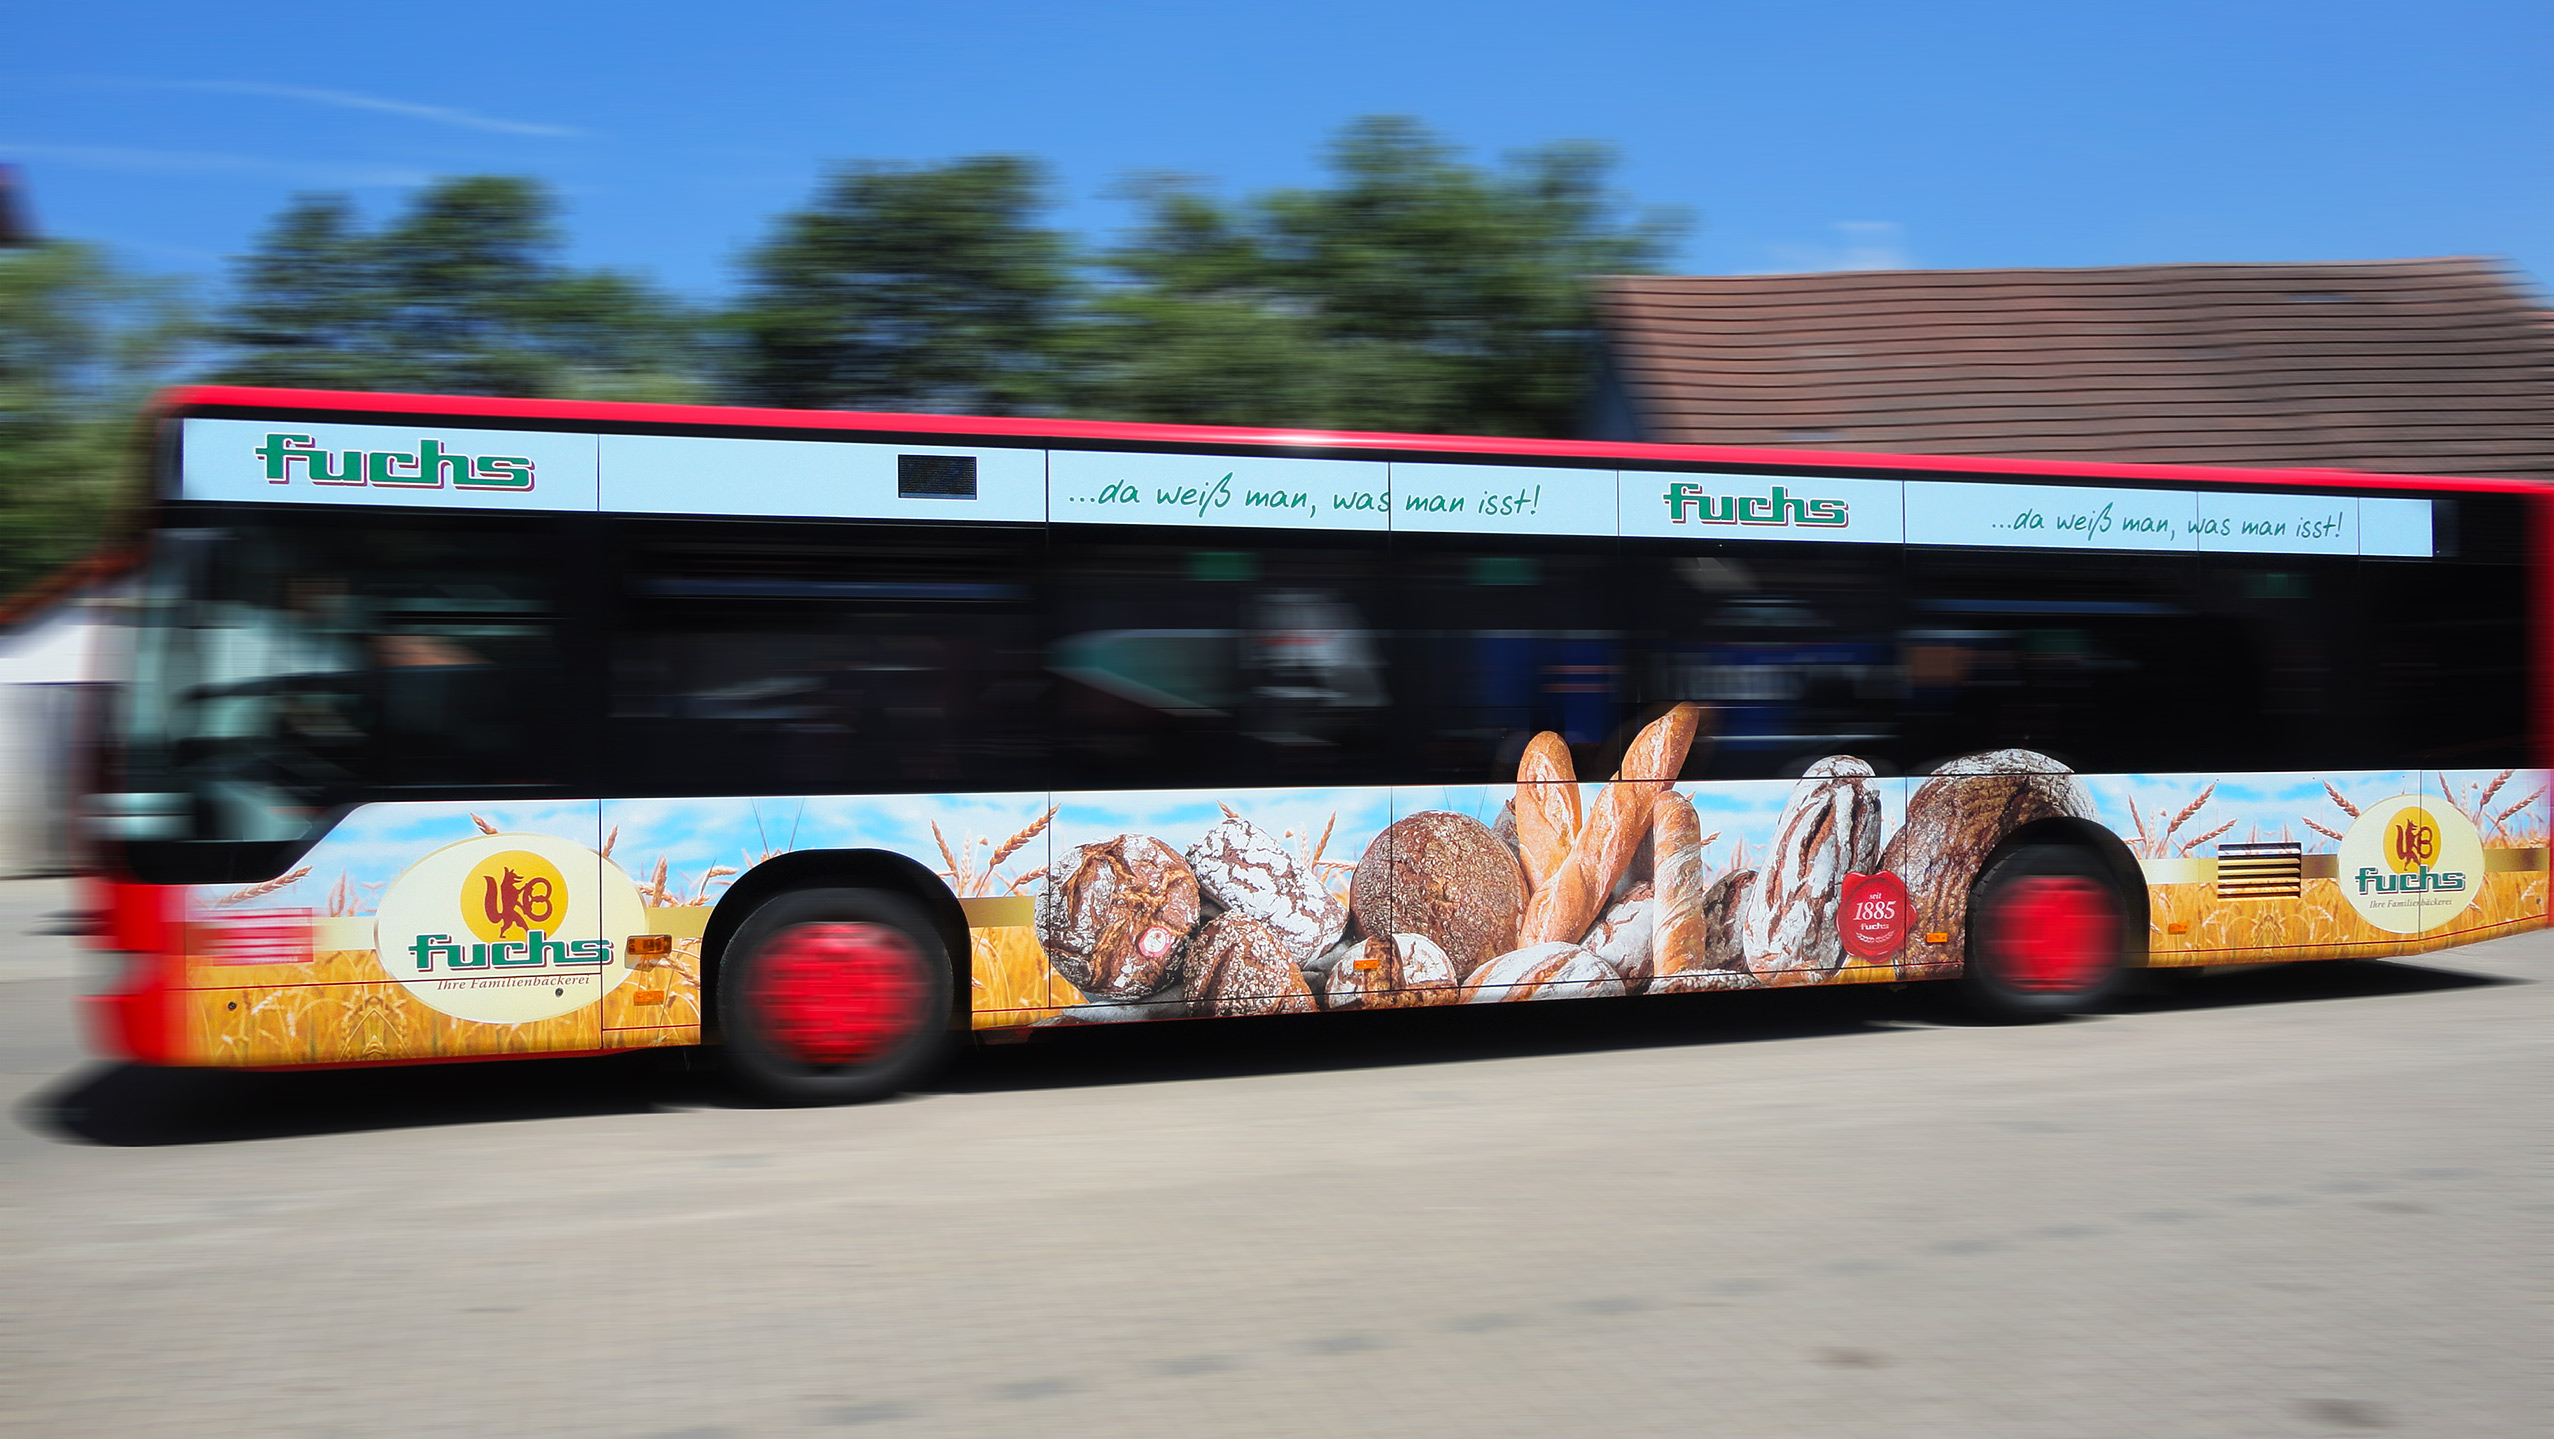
(464, 293)
(1413, 292)
(909, 288)
(80, 346)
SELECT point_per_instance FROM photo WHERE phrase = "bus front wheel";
(834, 996)
(2048, 935)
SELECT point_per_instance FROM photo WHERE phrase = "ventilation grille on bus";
(2261, 871)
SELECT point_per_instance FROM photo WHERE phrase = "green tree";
(924, 288)
(1413, 292)
(462, 293)
(81, 344)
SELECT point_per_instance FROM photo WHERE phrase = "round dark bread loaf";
(1446, 877)
(1114, 915)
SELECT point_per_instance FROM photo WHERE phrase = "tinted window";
(759, 658)
(1220, 658)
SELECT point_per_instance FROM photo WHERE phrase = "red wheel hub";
(2052, 934)
(839, 993)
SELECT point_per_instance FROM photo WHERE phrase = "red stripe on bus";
(614, 412)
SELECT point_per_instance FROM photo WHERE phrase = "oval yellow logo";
(512, 892)
(2412, 841)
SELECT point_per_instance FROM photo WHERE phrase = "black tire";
(771, 947)
(2036, 948)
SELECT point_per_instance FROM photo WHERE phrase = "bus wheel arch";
(836, 869)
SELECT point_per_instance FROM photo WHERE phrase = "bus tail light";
(132, 1018)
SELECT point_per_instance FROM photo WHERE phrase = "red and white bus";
(472, 728)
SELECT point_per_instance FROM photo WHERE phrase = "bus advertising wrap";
(243, 460)
(418, 930)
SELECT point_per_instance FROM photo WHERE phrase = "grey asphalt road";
(2306, 1201)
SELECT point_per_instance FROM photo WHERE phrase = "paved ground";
(2294, 1202)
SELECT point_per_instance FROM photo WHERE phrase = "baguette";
(1562, 912)
(1677, 931)
(1547, 809)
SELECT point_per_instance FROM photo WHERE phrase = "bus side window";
(808, 657)
(1790, 648)
(1504, 638)
(1184, 658)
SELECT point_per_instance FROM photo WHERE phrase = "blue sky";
(1933, 133)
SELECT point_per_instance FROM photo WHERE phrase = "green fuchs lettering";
(431, 948)
(1687, 499)
(431, 466)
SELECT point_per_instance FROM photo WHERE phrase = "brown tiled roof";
(2423, 366)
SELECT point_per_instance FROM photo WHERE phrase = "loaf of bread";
(1251, 873)
(1677, 934)
(1562, 911)
(1547, 809)
(1829, 828)
(1444, 876)
(1114, 915)
(1238, 967)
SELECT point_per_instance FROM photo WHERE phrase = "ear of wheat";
(259, 891)
(482, 822)
(1036, 827)
(970, 879)
(2190, 809)
(2196, 841)
(2347, 807)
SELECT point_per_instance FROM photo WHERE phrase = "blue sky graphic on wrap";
(377, 842)
(1860, 134)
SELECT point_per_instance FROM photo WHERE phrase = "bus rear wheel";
(834, 996)
(2048, 935)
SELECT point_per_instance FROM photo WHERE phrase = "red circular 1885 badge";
(1872, 914)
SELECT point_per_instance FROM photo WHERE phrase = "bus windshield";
(289, 667)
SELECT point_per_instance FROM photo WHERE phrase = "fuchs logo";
(2411, 850)
(430, 466)
(2407, 867)
(515, 892)
(1782, 507)
(508, 928)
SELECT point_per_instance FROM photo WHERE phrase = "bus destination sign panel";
(457, 467)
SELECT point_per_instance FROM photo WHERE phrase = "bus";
(477, 728)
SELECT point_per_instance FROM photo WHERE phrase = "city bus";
(479, 728)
